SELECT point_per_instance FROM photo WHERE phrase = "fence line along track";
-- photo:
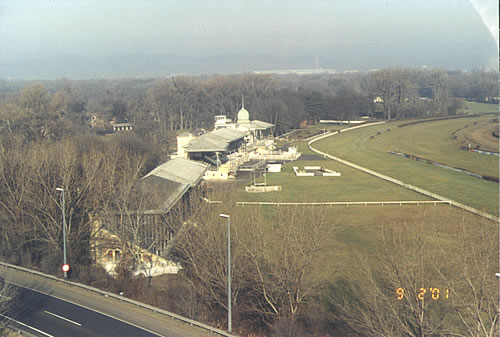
(392, 180)
(183, 319)
(343, 203)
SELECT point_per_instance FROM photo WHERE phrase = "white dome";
(243, 116)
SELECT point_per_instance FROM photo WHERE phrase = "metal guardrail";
(124, 299)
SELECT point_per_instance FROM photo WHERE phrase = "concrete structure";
(274, 167)
(109, 250)
(311, 171)
(179, 170)
(255, 129)
(122, 127)
(261, 189)
(226, 147)
(265, 153)
(166, 186)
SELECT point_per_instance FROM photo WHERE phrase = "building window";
(109, 256)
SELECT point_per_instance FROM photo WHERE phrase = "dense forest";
(53, 134)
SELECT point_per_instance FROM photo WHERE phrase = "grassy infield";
(356, 227)
(369, 147)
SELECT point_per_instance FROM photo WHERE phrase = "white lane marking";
(28, 326)
(61, 317)
(85, 307)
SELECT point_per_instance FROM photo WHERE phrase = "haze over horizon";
(125, 38)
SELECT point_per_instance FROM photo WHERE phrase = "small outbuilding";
(122, 127)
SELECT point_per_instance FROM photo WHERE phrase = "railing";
(396, 181)
(343, 203)
(123, 299)
(252, 167)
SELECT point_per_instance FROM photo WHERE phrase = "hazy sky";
(410, 30)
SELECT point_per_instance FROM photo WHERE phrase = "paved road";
(39, 309)
(55, 317)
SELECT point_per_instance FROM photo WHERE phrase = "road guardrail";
(123, 299)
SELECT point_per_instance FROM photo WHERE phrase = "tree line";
(159, 107)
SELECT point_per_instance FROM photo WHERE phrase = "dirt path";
(483, 137)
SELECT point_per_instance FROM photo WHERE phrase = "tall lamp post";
(228, 270)
(64, 229)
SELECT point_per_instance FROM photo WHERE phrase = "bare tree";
(7, 298)
(413, 287)
(200, 246)
(274, 260)
(374, 307)
(394, 87)
(440, 90)
(474, 292)
(285, 253)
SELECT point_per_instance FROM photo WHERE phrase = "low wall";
(330, 173)
(302, 174)
(260, 189)
(215, 175)
(324, 172)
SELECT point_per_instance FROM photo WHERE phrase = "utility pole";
(64, 229)
(229, 318)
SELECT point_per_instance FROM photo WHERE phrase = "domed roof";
(243, 116)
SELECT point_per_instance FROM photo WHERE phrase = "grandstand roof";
(180, 170)
(215, 141)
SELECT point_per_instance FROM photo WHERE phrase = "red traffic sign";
(65, 268)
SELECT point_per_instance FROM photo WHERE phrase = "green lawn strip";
(473, 107)
(434, 141)
(358, 228)
(315, 130)
(353, 185)
(303, 148)
(353, 146)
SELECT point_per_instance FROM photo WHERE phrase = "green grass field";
(315, 130)
(473, 108)
(369, 147)
(357, 230)
(353, 185)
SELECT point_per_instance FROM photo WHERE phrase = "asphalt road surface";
(60, 310)
(55, 317)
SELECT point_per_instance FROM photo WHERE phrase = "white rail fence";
(395, 181)
(123, 299)
(343, 203)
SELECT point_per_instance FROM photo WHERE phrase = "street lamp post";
(228, 270)
(64, 228)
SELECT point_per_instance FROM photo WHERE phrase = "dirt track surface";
(482, 136)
